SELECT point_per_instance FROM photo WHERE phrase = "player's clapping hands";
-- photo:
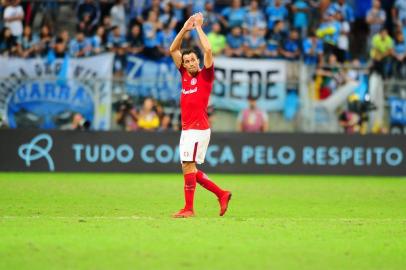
(193, 21)
(198, 19)
(189, 24)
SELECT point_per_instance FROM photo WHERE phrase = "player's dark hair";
(189, 51)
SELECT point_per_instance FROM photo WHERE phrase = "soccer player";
(196, 88)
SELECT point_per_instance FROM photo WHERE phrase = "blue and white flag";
(45, 93)
(397, 111)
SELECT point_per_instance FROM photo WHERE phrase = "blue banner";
(236, 79)
(397, 111)
(47, 93)
(49, 105)
(148, 78)
(333, 154)
(239, 78)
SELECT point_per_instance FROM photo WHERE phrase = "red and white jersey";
(195, 98)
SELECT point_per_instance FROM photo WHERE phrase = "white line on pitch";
(238, 219)
(76, 217)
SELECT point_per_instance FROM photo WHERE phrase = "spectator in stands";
(135, 10)
(79, 123)
(180, 8)
(290, 50)
(107, 26)
(233, 16)
(147, 118)
(167, 17)
(268, 3)
(399, 56)
(64, 34)
(8, 43)
(155, 5)
(381, 52)
(300, 9)
(98, 41)
(45, 40)
(150, 29)
(59, 47)
(135, 42)
(342, 7)
(331, 77)
(254, 44)
(166, 124)
(3, 122)
(80, 46)
(28, 43)
(199, 5)
(314, 13)
(210, 17)
(312, 49)
(350, 122)
(50, 9)
(105, 8)
(399, 15)
(282, 17)
(159, 109)
(254, 18)
(31, 9)
(376, 18)
(117, 43)
(235, 42)
(217, 40)
(276, 12)
(275, 38)
(13, 17)
(189, 42)
(118, 16)
(355, 73)
(343, 43)
(126, 115)
(165, 39)
(88, 15)
(85, 25)
(252, 119)
(329, 32)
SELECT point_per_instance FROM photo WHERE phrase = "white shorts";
(193, 145)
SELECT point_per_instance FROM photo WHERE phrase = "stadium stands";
(338, 41)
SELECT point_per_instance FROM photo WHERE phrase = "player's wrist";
(184, 30)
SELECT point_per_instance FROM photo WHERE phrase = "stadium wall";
(73, 151)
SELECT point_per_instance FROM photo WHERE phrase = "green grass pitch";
(122, 221)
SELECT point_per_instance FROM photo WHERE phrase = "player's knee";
(189, 167)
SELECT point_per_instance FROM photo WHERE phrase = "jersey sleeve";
(182, 70)
(208, 73)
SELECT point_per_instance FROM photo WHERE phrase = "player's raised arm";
(177, 42)
(208, 55)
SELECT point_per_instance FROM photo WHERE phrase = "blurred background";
(281, 65)
(301, 88)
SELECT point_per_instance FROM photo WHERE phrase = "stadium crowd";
(325, 34)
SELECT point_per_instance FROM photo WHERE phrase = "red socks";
(189, 189)
(204, 181)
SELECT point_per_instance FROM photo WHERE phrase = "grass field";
(122, 221)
